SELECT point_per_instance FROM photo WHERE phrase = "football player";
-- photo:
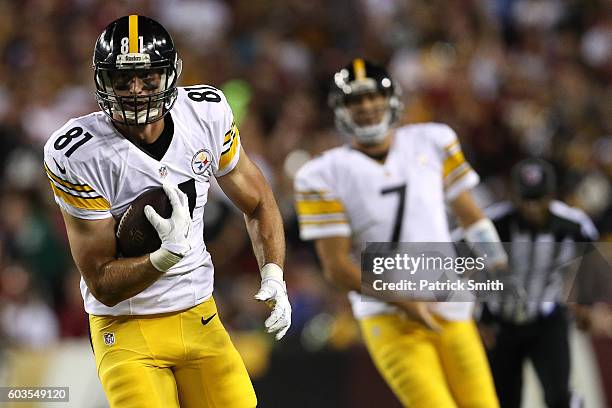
(155, 331)
(392, 185)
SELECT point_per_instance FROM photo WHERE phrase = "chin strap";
(374, 133)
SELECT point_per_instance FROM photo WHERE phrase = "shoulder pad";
(205, 101)
(80, 139)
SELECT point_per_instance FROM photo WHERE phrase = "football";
(135, 234)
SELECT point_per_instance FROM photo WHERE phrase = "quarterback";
(155, 332)
(392, 185)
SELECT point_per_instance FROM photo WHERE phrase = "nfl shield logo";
(163, 171)
(109, 338)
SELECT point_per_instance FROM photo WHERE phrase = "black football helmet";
(533, 179)
(359, 77)
(135, 46)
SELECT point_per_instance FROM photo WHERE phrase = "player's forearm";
(346, 274)
(343, 273)
(265, 227)
(466, 210)
(121, 279)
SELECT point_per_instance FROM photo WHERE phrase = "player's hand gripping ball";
(135, 234)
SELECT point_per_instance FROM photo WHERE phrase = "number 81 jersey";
(343, 192)
(96, 173)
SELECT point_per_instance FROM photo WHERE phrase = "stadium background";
(512, 77)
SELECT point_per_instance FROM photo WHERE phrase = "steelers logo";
(201, 161)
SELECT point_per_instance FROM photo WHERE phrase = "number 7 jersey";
(96, 173)
(345, 193)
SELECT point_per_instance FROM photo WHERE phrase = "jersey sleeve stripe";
(230, 152)
(83, 194)
(87, 203)
(312, 196)
(319, 207)
(67, 184)
(227, 147)
(452, 163)
(229, 136)
(457, 175)
(322, 222)
(76, 193)
(323, 218)
(312, 192)
(449, 147)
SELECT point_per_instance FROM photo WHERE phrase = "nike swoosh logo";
(60, 168)
(205, 321)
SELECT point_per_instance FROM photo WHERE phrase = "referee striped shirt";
(539, 257)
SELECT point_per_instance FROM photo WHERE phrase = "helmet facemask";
(112, 91)
(364, 134)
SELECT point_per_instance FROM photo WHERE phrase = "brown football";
(135, 234)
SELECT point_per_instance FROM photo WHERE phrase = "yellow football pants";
(177, 359)
(427, 369)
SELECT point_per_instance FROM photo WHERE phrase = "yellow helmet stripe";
(133, 32)
(359, 68)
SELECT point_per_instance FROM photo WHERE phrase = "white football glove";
(173, 231)
(273, 291)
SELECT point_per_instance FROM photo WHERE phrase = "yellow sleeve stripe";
(451, 145)
(322, 222)
(452, 162)
(309, 192)
(230, 134)
(318, 207)
(230, 152)
(67, 184)
(457, 176)
(85, 203)
(310, 195)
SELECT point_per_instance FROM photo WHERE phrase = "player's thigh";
(135, 384)
(215, 382)
(406, 357)
(214, 375)
(466, 366)
(130, 374)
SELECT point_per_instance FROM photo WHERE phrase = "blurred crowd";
(514, 78)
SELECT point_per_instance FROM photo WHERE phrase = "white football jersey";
(96, 173)
(343, 192)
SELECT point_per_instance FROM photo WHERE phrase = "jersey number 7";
(399, 214)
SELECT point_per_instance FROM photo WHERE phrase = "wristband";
(162, 259)
(271, 271)
(484, 241)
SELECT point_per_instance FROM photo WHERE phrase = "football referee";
(543, 236)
